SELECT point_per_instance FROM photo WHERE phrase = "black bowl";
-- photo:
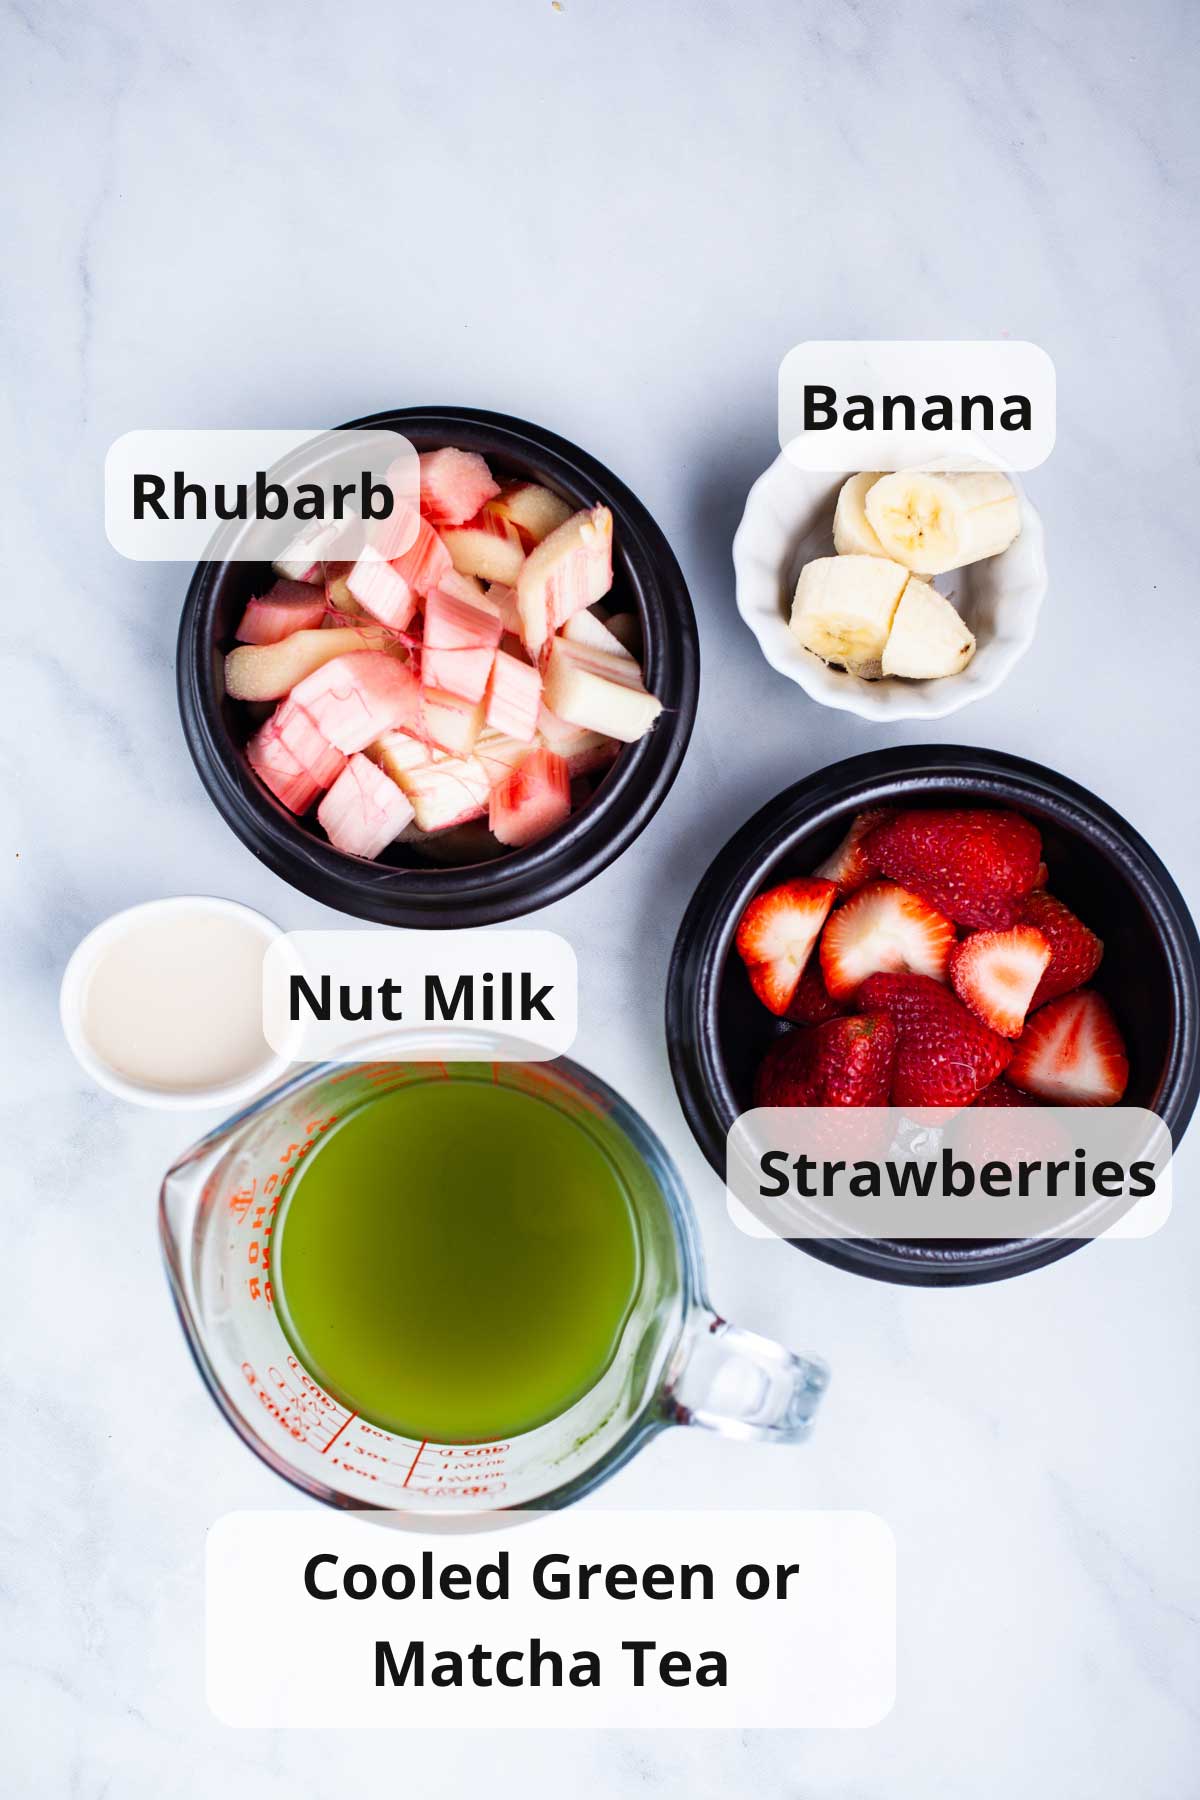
(402, 888)
(717, 1031)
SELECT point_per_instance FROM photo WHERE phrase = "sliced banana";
(934, 523)
(928, 638)
(853, 533)
(843, 610)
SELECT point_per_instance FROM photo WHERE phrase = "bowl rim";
(864, 699)
(73, 986)
(521, 881)
(705, 937)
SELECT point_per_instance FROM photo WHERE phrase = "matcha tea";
(456, 1261)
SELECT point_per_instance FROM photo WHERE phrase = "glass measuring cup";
(677, 1362)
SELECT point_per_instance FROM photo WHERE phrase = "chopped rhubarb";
(269, 671)
(534, 800)
(305, 557)
(599, 692)
(449, 721)
(570, 569)
(464, 587)
(280, 770)
(596, 756)
(459, 645)
(446, 791)
(381, 590)
(364, 811)
(533, 510)
(297, 732)
(513, 697)
(566, 740)
(504, 599)
(486, 546)
(397, 752)
(585, 628)
(500, 754)
(338, 598)
(288, 606)
(355, 698)
(454, 485)
(425, 561)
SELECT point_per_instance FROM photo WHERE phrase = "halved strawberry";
(848, 865)
(776, 933)
(974, 864)
(1075, 952)
(1072, 1052)
(945, 1056)
(812, 1003)
(997, 972)
(883, 926)
(845, 1062)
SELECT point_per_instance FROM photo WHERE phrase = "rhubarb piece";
(600, 692)
(454, 485)
(364, 811)
(486, 546)
(459, 645)
(465, 587)
(381, 590)
(534, 800)
(426, 560)
(776, 934)
(287, 607)
(446, 791)
(514, 695)
(280, 770)
(297, 732)
(504, 599)
(399, 752)
(500, 754)
(338, 598)
(534, 511)
(1071, 1053)
(304, 557)
(595, 756)
(566, 740)
(450, 722)
(570, 569)
(269, 671)
(355, 698)
(585, 628)
(626, 627)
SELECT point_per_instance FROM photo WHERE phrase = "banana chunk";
(843, 610)
(928, 638)
(853, 532)
(934, 523)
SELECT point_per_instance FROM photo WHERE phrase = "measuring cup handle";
(742, 1385)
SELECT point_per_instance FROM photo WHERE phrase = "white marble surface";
(613, 219)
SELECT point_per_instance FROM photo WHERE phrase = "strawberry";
(883, 926)
(1075, 951)
(847, 866)
(974, 865)
(996, 974)
(944, 1055)
(776, 933)
(1072, 1052)
(845, 1062)
(1002, 1093)
(811, 1002)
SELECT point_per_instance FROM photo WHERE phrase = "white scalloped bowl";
(788, 521)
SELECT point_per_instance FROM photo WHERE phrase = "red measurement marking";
(412, 1465)
(349, 1420)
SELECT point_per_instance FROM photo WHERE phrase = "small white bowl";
(72, 998)
(788, 522)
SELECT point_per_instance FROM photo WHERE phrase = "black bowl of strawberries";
(934, 927)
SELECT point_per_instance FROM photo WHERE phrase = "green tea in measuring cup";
(456, 1260)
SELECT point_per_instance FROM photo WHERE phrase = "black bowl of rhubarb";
(405, 886)
(718, 1032)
